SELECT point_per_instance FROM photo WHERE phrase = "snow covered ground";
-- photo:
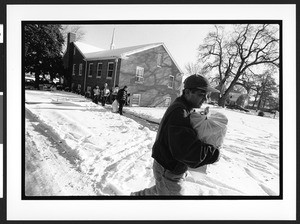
(91, 149)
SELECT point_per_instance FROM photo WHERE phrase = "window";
(80, 69)
(139, 74)
(167, 101)
(135, 100)
(99, 70)
(90, 70)
(110, 70)
(74, 51)
(171, 81)
(74, 67)
(159, 60)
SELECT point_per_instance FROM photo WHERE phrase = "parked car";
(45, 85)
(29, 83)
(59, 86)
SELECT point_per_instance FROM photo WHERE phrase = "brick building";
(151, 74)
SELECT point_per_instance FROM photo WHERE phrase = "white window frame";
(110, 63)
(74, 51)
(80, 69)
(139, 97)
(139, 74)
(168, 99)
(172, 82)
(90, 69)
(74, 67)
(99, 76)
(79, 86)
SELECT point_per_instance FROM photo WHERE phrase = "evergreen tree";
(43, 50)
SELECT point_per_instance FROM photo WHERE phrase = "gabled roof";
(126, 51)
(86, 48)
(120, 52)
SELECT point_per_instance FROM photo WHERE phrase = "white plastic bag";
(115, 106)
(211, 128)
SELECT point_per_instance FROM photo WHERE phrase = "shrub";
(261, 113)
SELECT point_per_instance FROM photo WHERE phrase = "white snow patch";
(116, 151)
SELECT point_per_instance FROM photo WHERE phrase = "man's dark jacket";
(122, 95)
(177, 146)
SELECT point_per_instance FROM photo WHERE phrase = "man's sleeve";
(185, 145)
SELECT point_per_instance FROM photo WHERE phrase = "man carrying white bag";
(211, 127)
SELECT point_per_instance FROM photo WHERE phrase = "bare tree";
(228, 57)
(73, 29)
(192, 68)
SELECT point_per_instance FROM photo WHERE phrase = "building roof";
(234, 96)
(86, 48)
(122, 52)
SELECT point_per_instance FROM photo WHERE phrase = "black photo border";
(3, 201)
(155, 22)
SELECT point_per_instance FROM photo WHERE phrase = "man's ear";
(187, 93)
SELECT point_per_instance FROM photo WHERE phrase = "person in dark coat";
(114, 93)
(122, 98)
(177, 145)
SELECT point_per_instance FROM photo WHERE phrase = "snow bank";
(116, 150)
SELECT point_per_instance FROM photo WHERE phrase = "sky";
(182, 40)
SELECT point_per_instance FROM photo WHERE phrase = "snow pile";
(114, 150)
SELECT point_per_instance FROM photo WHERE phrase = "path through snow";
(109, 148)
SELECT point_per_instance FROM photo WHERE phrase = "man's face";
(196, 98)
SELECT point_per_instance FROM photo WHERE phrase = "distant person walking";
(115, 93)
(96, 94)
(122, 98)
(177, 146)
(106, 93)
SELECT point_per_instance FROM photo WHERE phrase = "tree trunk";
(221, 101)
(265, 100)
(37, 79)
(255, 100)
(258, 104)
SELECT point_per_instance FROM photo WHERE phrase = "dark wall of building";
(76, 79)
(154, 89)
(100, 81)
(68, 59)
(85, 80)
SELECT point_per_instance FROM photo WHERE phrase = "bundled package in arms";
(211, 127)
